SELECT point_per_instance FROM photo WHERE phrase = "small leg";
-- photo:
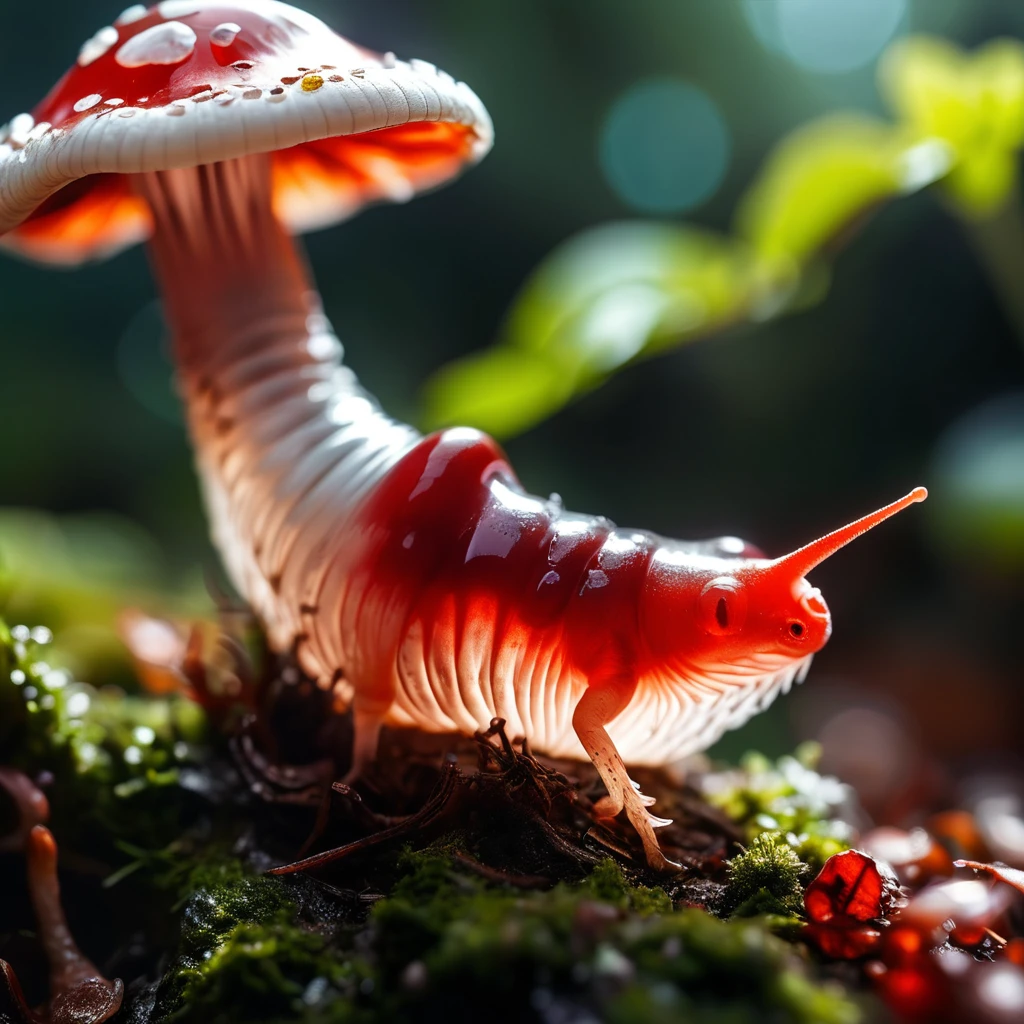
(597, 707)
(366, 724)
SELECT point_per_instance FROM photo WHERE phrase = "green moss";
(442, 942)
(608, 884)
(445, 946)
(766, 878)
(244, 955)
(789, 797)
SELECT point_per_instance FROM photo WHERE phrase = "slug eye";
(723, 606)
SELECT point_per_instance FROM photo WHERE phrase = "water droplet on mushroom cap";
(169, 43)
(94, 48)
(225, 33)
(87, 102)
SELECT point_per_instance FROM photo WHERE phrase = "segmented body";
(417, 577)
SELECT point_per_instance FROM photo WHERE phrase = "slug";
(417, 577)
(413, 576)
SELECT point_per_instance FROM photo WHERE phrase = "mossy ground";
(508, 903)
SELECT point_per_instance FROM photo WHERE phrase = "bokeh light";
(763, 18)
(827, 36)
(144, 365)
(664, 146)
(978, 470)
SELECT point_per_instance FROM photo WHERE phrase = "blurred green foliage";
(78, 574)
(622, 292)
(973, 102)
(598, 302)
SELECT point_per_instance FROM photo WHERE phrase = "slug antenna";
(803, 560)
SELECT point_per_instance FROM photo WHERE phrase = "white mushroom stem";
(287, 443)
(231, 277)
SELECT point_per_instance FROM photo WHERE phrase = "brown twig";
(430, 811)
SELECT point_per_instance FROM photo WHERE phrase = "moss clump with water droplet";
(120, 756)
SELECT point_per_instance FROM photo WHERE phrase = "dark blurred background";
(777, 432)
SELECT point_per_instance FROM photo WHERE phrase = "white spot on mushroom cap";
(93, 49)
(131, 14)
(168, 43)
(225, 33)
(177, 8)
(19, 128)
(114, 102)
(87, 102)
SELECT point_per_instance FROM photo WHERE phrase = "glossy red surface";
(452, 515)
(277, 47)
(276, 41)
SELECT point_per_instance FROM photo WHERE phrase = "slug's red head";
(747, 615)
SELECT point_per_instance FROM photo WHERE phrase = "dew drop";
(131, 14)
(225, 33)
(169, 43)
(87, 102)
(93, 49)
(312, 82)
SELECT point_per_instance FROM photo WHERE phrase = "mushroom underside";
(312, 185)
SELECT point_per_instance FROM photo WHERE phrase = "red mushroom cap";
(190, 82)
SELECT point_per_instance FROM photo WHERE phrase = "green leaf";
(973, 102)
(600, 301)
(821, 179)
(501, 390)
